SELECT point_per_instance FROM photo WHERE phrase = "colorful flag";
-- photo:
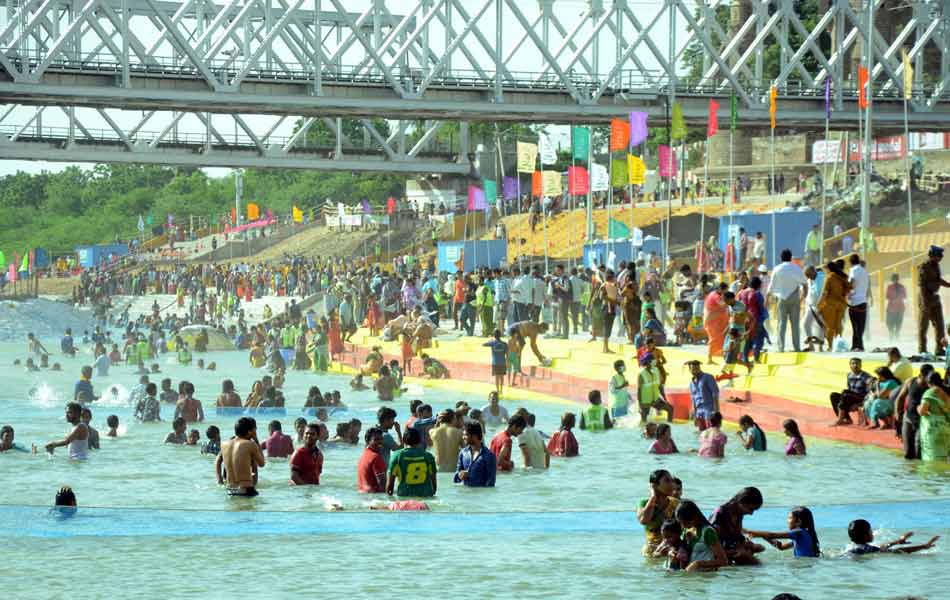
(141, 224)
(617, 230)
(253, 211)
(491, 191)
(828, 97)
(536, 183)
(390, 205)
(773, 94)
(863, 87)
(580, 143)
(367, 209)
(297, 214)
(713, 125)
(476, 198)
(578, 180)
(3, 261)
(25, 263)
(600, 180)
(11, 273)
(638, 128)
(668, 165)
(636, 170)
(546, 148)
(618, 175)
(733, 112)
(527, 157)
(509, 188)
(234, 216)
(619, 134)
(552, 183)
(678, 125)
(908, 76)
(149, 220)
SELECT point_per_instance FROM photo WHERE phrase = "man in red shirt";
(277, 445)
(307, 462)
(371, 469)
(501, 443)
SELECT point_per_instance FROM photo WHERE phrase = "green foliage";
(61, 210)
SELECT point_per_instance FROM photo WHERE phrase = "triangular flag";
(636, 170)
(527, 156)
(25, 263)
(141, 224)
(638, 128)
(546, 148)
(619, 134)
(862, 87)
(536, 183)
(580, 143)
(678, 125)
(908, 76)
(773, 94)
(577, 180)
(617, 230)
(491, 191)
(713, 125)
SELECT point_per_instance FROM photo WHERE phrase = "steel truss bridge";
(241, 83)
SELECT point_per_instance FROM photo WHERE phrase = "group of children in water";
(712, 440)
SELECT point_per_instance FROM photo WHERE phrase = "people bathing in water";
(861, 535)
(707, 551)
(113, 422)
(239, 459)
(796, 443)
(663, 444)
(751, 435)
(563, 443)
(728, 522)
(595, 417)
(712, 441)
(177, 434)
(77, 440)
(801, 533)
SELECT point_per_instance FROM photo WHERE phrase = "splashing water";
(45, 396)
(114, 395)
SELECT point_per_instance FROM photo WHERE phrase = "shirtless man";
(188, 407)
(78, 439)
(240, 457)
(228, 396)
(529, 330)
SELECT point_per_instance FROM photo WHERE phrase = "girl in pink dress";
(712, 441)
(664, 443)
(796, 443)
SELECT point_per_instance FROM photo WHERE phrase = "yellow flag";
(298, 215)
(636, 170)
(551, 183)
(253, 212)
(773, 93)
(908, 76)
(527, 156)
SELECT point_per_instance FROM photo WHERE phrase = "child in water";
(407, 352)
(801, 532)
(796, 443)
(563, 443)
(193, 438)
(712, 441)
(664, 443)
(649, 431)
(113, 422)
(673, 547)
(705, 550)
(751, 435)
(861, 536)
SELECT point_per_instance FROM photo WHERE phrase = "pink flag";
(578, 181)
(11, 272)
(638, 128)
(667, 162)
(476, 198)
(713, 125)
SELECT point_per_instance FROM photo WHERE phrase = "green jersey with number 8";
(414, 467)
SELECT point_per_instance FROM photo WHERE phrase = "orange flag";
(536, 184)
(863, 87)
(773, 93)
(253, 212)
(619, 134)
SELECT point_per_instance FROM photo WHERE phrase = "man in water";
(501, 443)
(704, 394)
(66, 344)
(371, 469)
(78, 439)
(188, 407)
(6, 440)
(34, 346)
(477, 465)
(413, 467)
(240, 458)
(529, 330)
(86, 417)
(306, 464)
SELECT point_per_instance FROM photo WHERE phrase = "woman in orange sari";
(833, 301)
(715, 321)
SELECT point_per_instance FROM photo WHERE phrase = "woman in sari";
(934, 411)
(334, 335)
(595, 306)
(715, 321)
(833, 301)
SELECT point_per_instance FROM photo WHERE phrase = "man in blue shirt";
(477, 464)
(83, 392)
(704, 394)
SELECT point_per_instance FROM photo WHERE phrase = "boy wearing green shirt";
(413, 467)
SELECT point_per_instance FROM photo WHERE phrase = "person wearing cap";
(650, 393)
(930, 310)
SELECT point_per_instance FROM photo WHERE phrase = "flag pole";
(910, 211)
(772, 183)
(590, 187)
(610, 195)
(570, 196)
(702, 212)
(824, 183)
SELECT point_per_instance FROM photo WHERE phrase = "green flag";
(734, 111)
(25, 265)
(678, 127)
(618, 177)
(3, 261)
(617, 230)
(580, 139)
(491, 191)
(149, 220)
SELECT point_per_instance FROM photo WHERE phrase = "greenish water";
(161, 524)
